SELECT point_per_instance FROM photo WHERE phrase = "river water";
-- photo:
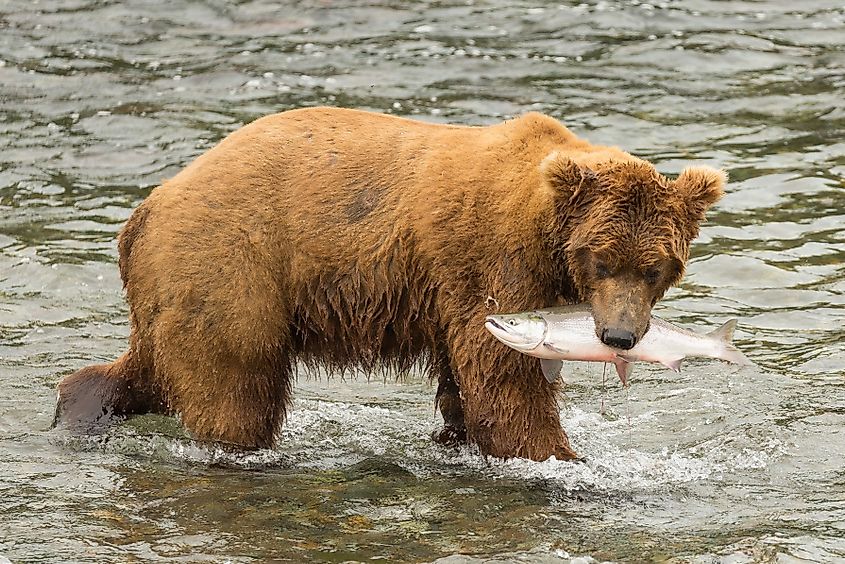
(100, 100)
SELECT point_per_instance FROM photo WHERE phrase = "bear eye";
(652, 275)
(602, 270)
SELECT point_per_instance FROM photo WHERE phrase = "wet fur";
(342, 239)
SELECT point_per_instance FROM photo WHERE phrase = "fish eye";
(511, 322)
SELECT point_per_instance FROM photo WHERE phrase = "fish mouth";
(502, 333)
(489, 322)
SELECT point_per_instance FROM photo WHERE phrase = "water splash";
(328, 435)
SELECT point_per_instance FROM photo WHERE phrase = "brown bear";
(352, 239)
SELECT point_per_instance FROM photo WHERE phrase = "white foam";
(328, 435)
(322, 434)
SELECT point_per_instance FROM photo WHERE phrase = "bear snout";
(618, 338)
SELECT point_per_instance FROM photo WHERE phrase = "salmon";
(569, 333)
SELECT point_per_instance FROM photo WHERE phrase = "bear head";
(625, 233)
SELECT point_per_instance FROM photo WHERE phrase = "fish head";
(630, 237)
(520, 331)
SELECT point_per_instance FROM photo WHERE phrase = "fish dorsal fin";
(725, 333)
(551, 369)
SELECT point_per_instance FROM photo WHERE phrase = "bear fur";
(344, 238)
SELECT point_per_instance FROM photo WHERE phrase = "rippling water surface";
(101, 100)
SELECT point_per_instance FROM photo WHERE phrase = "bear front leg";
(448, 401)
(510, 410)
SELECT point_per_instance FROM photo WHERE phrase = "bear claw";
(450, 436)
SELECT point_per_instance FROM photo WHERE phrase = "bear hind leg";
(230, 401)
(92, 398)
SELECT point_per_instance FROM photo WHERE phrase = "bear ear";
(567, 179)
(702, 186)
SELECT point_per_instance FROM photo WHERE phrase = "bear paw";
(450, 436)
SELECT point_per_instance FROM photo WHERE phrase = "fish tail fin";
(725, 335)
(735, 356)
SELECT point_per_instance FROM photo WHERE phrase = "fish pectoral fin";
(624, 368)
(551, 369)
(673, 364)
(555, 349)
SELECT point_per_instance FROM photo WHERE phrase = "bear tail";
(91, 399)
(130, 233)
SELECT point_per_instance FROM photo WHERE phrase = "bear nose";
(618, 338)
